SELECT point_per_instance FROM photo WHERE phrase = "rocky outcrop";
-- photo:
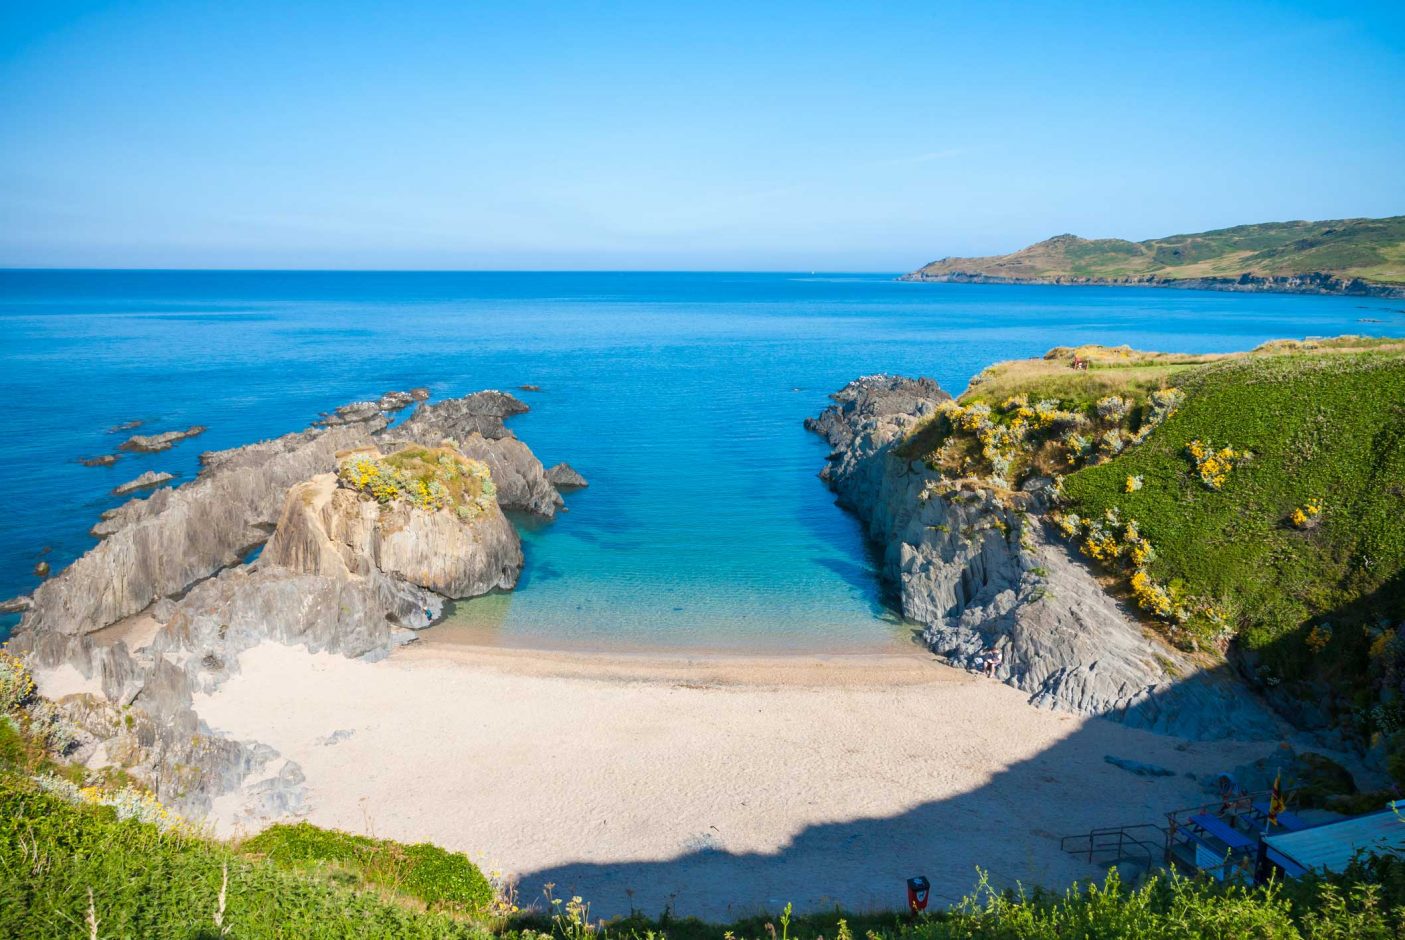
(340, 573)
(564, 476)
(105, 460)
(162, 544)
(151, 443)
(331, 530)
(146, 481)
(977, 568)
(475, 424)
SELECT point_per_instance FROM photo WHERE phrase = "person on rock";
(993, 659)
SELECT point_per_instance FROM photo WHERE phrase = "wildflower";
(1134, 483)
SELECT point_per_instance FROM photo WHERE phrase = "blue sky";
(747, 136)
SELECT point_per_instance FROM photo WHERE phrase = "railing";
(1143, 842)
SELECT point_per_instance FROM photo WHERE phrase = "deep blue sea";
(679, 396)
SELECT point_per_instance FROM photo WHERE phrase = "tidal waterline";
(679, 396)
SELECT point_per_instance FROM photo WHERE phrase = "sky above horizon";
(649, 135)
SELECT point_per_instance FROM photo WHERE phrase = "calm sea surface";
(679, 396)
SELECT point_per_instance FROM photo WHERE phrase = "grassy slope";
(54, 856)
(1330, 428)
(1371, 249)
(150, 884)
(1319, 426)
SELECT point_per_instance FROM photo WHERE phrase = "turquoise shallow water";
(680, 397)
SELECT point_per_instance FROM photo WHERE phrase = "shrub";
(437, 877)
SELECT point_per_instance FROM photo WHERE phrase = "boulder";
(564, 476)
(147, 480)
(106, 460)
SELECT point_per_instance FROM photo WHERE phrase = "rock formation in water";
(565, 476)
(977, 569)
(364, 545)
(151, 443)
(146, 481)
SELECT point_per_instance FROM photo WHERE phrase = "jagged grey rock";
(150, 443)
(162, 544)
(978, 571)
(564, 476)
(147, 480)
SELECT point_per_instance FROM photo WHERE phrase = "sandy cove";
(718, 785)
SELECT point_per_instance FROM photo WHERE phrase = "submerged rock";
(978, 570)
(147, 480)
(126, 426)
(106, 460)
(564, 476)
(151, 443)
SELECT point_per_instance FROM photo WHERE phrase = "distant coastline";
(1316, 283)
(1351, 257)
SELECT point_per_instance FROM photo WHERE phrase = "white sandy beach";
(719, 786)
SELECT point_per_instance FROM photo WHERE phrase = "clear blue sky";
(757, 135)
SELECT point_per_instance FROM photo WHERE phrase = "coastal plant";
(426, 478)
(1305, 515)
(1213, 465)
(1134, 483)
(16, 683)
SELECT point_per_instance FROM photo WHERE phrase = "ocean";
(680, 397)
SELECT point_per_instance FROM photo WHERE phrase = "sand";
(716, 785)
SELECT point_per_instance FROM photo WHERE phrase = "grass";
(70, 871)
(1311, 601)
(1371, 249)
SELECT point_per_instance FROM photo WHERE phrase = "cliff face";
(977, 570)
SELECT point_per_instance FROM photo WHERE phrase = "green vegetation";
(1274, 496)
(1370, 249)
(1253, 499)
(427, 477)
(62, 863)
(422, 871)
(65, 867)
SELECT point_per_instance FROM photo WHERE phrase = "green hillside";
(1368, 250)
(1250, 504)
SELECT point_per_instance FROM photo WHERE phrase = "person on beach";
(993, 659)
